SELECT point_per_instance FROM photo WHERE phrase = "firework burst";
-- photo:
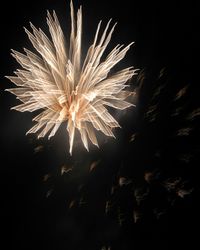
(56, 81)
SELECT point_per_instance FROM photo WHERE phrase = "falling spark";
(93, 165)
(133, 137)
(151, 113)
(71, 204)
(171, 183)
(194, 114)
(159, 212)
(186, 158)
(183, 192)
(157, 92)
(49, 193)
(162, 73)
(149, 177)
(108, 207)
(46, 177)
(82, 202)
(181, 93)
(140, 195)
(172, 200)
(136, 215)
(113, 189)
(124, 181)
(177, 111)
(184, 131)
(56, 81)
(121, 217)
(179, 186)
(106, 248)
(38, 149)
(65, 169)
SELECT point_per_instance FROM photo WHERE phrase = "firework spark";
(56, 81)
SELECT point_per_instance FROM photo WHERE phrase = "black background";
(165, 35)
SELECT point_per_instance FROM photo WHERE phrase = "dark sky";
(165, 123)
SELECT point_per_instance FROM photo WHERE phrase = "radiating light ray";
(56, 80)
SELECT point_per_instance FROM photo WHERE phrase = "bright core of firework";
(56, 81)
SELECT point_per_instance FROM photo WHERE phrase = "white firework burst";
(56, 81)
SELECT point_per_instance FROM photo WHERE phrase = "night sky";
(138, 190)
